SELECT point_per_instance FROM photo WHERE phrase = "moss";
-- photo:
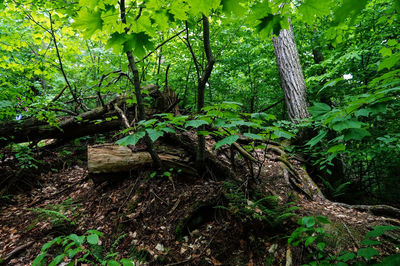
(339, 238)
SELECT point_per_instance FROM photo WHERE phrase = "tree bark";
(292, 79)
(200, 158)
(139, 98)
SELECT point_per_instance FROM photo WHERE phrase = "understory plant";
(74, 249)
(263, 208)
(311, 234)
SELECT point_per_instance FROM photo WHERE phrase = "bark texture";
(292, 79)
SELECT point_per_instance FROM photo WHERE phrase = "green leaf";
(389, 62)
(138, 42)
(269, 24)
(126, 262)
(367, 253)
(57, 260)
(93, 239)
(345, 124)
(154, 134)
(393, 260)
(95, 232)
(380, 230)
(89, 21)
(356, 134)
(370, 242)
(312, 142)
(113, 263)
(77, 239)
(349, 8)
(39, 260)
(385, 51)
(337, 148)
(321, 246)
(116, 42)
(228, 140)
(309, 240)
(131, 139)
(307, 221)
(312, 8)
(347, 256)
(72, 252)
(232, 7)
(323, 219)
(319, 109)
(253, 136)
(195, 123)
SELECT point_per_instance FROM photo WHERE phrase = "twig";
(16, 251)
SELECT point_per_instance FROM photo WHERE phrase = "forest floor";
(154, 220)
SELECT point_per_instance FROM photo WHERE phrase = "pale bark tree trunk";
(292, 79)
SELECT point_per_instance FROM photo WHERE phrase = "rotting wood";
(110, 158)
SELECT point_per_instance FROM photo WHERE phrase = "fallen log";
(110, 158)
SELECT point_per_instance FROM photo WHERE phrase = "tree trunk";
(139, 98)
(292, 79)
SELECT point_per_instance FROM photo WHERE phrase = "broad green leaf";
(72, 252)
(385, 51)
(370, 242)
(312, 142)
(380, 230)
(269, 24)
(39, 260)
(323, 219)
(349, 8)
(131, 139)
(113, 263)
(319, 109)
(228, 140)
(337, 148)
(95, 232)
(312, 8)
(138, 42)
(367, 253)
(89, 21)
(307, 221)
(345, 124)
(116, 42)
(93, 239)
(57, 260)
(310, 240)
(154, 134)
(321, 246)
(232, 7)
(126, 262)
(195, 123)
(347, 256)
(77, 239)
(393, 260)
(356, 134)
(389, 62)
(253, 136)
(202, 6)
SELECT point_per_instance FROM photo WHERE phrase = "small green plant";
(310, 231)
(25, 157)
(80, 249)
(57, 214)
(263, 208)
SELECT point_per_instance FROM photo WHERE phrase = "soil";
(159, 220)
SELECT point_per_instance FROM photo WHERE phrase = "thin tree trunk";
(139, 98)
(200, 158)
(292, 79)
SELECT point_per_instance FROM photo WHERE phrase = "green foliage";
(311, 232)
(60, 216)
(266, 209)
(25, 157)
(82, 249)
